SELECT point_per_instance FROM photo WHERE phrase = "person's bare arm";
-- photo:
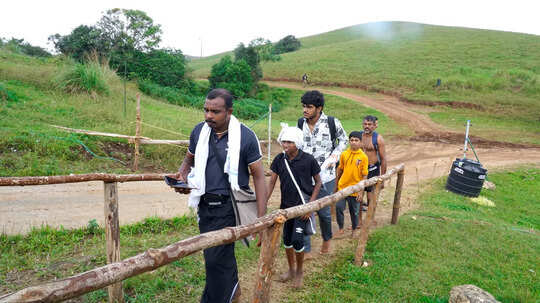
(316, 188)
(183, 171)
(271, 185)
(315, 194)
(339, 173)
(382, 154)
(257, 171)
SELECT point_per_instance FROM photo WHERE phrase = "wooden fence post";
(270, 246)
(397, 196)
(112, 236)
(364, 234)
(269, 132)
(137, 134)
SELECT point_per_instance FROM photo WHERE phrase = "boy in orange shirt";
(353, 168)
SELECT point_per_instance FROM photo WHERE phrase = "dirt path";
(412, 115)
(73, 205)
(396, 110)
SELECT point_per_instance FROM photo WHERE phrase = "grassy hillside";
(498, 71)
(31, 101)
(29, 146)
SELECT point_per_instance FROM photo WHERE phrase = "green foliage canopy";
(166, 67)
(258, 50)
(130, 29)
(287, 44)
(234, 76)
(82, 41)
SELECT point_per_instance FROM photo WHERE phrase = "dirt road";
(73, 205)
(396, 110)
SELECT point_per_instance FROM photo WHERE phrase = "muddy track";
(407, 113)
(427, 155)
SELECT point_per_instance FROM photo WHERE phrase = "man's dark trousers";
(219, 261)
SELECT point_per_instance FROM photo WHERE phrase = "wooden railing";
(112, 225)
(269, 226)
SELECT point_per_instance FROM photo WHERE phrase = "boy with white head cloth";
(304, 168)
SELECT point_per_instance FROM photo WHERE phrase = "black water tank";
(466, 177)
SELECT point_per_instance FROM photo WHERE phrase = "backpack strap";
(332, 127)
(375, 142)
(300, 123)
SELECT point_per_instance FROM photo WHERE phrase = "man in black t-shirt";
(304, 169)
(214, 206)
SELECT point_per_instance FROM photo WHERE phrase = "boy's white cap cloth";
(292, 134)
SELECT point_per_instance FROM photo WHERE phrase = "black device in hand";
(172, 182)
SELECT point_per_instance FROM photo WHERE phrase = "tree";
(234, 76)
(251, 57)
(287, 44)
(166, 67)
(265, 49)
(258, 50)
(130, 29)
(82, 41)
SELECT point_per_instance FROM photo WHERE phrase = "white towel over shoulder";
(197, 176)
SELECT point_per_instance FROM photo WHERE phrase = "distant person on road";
(353, 168)
(223, 152)
(373, 146)
(324, 139)
(305, 170)
(305, 81)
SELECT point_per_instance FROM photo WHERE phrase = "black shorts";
(293, 234)
(373, 171)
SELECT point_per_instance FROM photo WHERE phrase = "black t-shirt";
(304, 167)
(216, 180)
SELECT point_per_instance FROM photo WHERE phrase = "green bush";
(234, 76)
(7, 95)
(246, 108)
(287, 44)
(86, 78)
(21, 47)
(166, 67)
(172, 95)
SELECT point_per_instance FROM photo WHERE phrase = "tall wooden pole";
(112, 236)
(362, 241)
(397, 197)
(137, 134)
(270, 246)
(269, 131)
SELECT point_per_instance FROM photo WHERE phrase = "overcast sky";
(221, 25)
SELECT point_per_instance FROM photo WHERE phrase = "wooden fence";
(113, 273)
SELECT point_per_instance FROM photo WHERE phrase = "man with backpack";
(324, 139)
(373, 147)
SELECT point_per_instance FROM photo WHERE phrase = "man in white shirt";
(324, 139)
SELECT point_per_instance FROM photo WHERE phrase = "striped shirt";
(319, 144)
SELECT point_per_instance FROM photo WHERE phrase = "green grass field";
(29, 146)
(409, 57)
(446, 242)
(500, 71)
